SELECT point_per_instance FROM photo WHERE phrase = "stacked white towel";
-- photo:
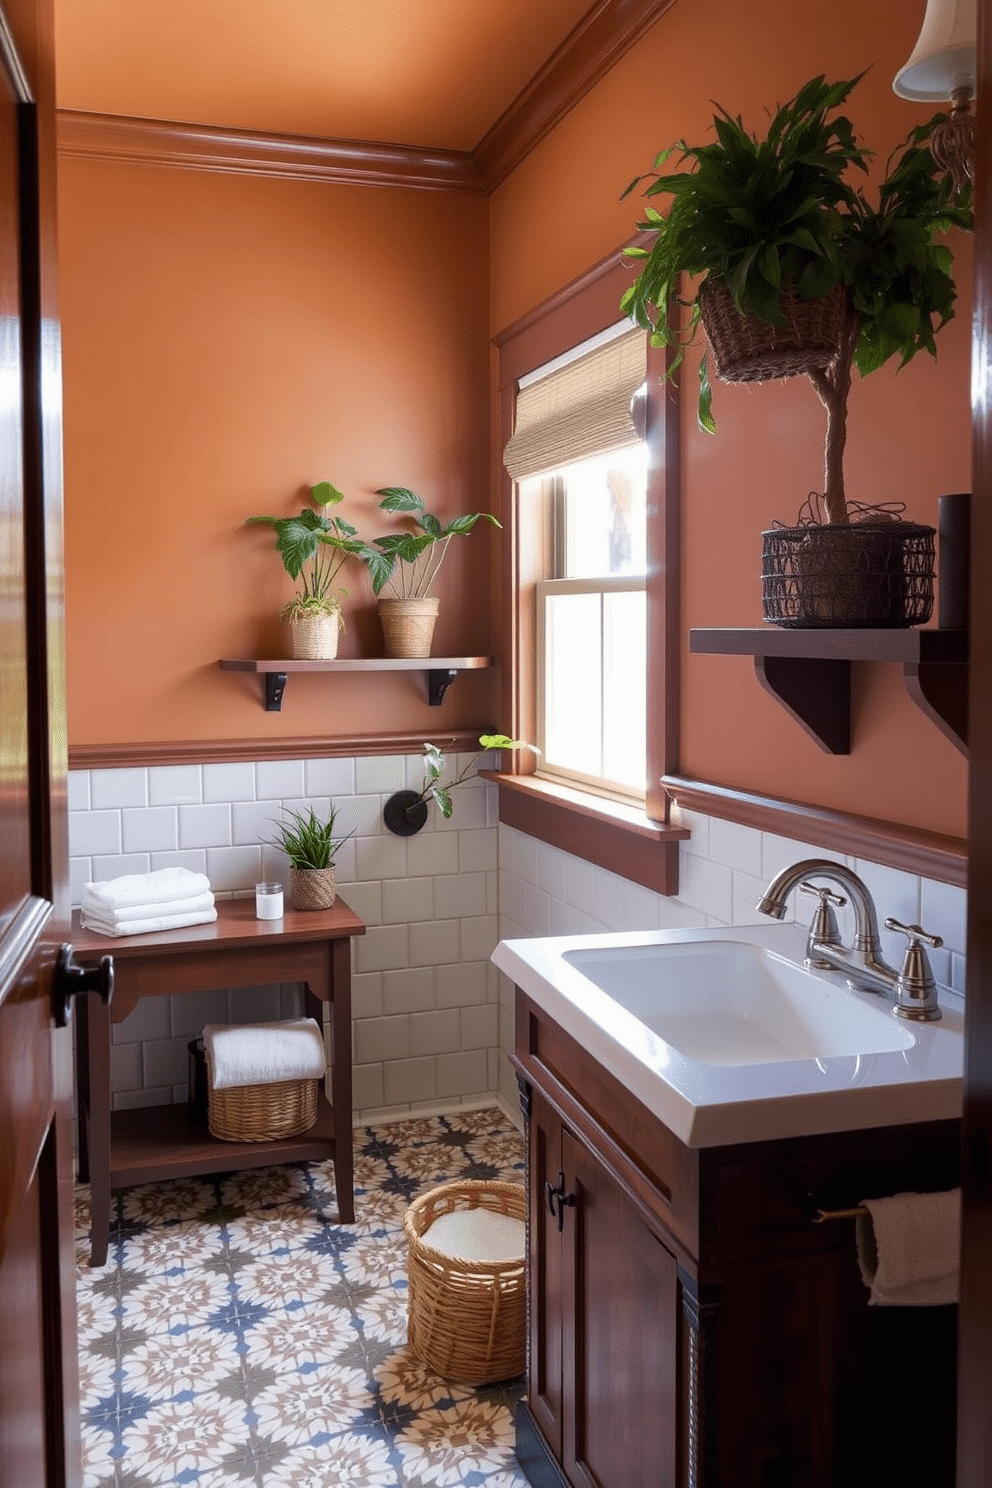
(263, 1053)
(138, 903)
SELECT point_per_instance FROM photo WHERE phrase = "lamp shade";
(944, 56)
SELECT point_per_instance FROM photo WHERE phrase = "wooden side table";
(121, 1148)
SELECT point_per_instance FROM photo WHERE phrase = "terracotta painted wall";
(909, 434)
(228, 341)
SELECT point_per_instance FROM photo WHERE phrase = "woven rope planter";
(746, 349)
(408, 625)
(261, 1113)
(312, 888)
(862, 575)
(467, 1319)
(315, 637)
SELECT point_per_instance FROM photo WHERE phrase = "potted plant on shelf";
(407, 564)
(406, 811)
(311, 847)
(314, 547)
(798, 272)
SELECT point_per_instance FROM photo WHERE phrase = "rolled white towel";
(909, 1249)
(147, 888)
(96, 912)
(147, 926)
(264, 1053)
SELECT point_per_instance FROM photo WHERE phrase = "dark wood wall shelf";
(809, 673)
(440, 671)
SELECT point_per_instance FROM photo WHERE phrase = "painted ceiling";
(435, 73)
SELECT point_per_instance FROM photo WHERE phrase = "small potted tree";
(311, 846)
(406, 564)
(796, 271)
(314, 548)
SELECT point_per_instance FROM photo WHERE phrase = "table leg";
(83, 1089)
(341, 1078)
(98, 1133)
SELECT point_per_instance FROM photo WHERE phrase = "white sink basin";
(726, 1037)
(730, 1003)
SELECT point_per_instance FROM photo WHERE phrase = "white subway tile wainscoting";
(432, 1017)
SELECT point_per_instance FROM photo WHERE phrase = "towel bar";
(822, 1215)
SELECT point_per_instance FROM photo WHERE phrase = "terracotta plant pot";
(408, 625)
(312, 888)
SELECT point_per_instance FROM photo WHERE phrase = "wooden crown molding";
(609, 29)
(246, 152)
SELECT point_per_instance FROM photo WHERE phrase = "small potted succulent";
(797, 271)
(406, 564)
(311, 847)
(406, 811)
(314, 548)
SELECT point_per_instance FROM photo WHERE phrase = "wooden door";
(39, 1434)
(619, 1336)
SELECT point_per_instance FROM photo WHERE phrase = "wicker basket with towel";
(262, 1079)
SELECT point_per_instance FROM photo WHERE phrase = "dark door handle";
(558, 1199)
(71, 979)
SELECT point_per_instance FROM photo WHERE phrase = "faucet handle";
(914, 932)
(826, 895)
(916, 990)
(824, 929)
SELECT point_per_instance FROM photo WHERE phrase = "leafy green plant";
(418, 554)
(314, 548)
(435, 764)
(763, 214)
(307, 841)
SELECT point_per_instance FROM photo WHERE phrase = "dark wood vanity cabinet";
(690, 1326)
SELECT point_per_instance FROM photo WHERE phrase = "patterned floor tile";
(238, 1337)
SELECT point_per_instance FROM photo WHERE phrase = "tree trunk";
(833, 384)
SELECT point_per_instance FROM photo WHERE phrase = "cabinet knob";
(71, 979)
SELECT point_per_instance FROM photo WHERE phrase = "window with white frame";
(580, 460)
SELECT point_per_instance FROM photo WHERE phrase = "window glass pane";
(573, 691)
(624, 670)
(604, 512)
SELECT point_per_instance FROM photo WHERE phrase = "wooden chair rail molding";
(927, 854)
(226, 751)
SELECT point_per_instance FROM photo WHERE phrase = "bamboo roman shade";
(582, 408)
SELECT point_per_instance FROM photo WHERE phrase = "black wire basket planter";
(862, 575)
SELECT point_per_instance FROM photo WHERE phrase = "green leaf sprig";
(435, 765)
(409, 562)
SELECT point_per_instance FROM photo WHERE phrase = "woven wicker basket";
(857, 575)
(746, 349)
(312, 888)
(467, 1319)
(408, 625)
(261, 1113)
(315, 637)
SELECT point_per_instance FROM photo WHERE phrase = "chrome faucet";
(913, 987)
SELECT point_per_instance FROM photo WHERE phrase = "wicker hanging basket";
(467, 1318)
(746, 349)
(408, 625)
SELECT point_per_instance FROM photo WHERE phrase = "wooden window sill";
(613, 836)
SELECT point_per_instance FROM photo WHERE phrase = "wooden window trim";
(641, 846)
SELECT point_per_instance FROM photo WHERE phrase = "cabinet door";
(619, 1337)
(544, 1376)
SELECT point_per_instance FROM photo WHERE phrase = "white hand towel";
(147, 926)
(264, 1053)
(909, 1249)
(97, 912)
(147, 888)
